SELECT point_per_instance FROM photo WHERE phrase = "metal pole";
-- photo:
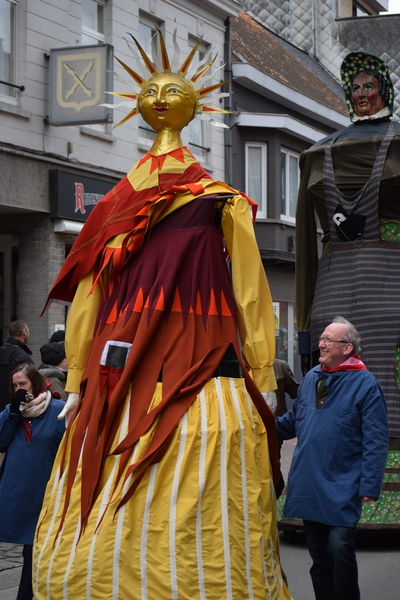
(19, 87)
(228, 103)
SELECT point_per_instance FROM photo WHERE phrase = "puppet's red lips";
(160, 111)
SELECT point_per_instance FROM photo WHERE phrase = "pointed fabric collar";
(353, 363)
(157, 162)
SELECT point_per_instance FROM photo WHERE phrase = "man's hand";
(69, 408)
(368, 499)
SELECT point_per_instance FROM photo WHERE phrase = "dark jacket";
(286, 384)
(12, 353)
(57, 378)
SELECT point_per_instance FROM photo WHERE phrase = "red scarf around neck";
(353, 363)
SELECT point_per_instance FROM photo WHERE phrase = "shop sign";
(79, 79)
(73, 197)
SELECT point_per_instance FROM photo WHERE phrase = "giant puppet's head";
(360, 71)
(168, 95)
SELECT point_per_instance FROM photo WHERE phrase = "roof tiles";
(264, 52)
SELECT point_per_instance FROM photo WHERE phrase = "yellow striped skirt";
(200, 526)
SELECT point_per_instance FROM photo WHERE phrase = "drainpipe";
(229, 118)
(314, 33)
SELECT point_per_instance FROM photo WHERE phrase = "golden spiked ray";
(202, 109)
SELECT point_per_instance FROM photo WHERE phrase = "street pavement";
(10, 570)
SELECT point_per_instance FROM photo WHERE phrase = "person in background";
(13, 352)
(286, 384)
(54, 367)
(29, 435)
(58, 336)
(340, 421)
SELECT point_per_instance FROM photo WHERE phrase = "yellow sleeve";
(252, 294)
(79, 332)
(81, 322)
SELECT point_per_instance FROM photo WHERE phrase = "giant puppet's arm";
(79, 334)
(252, 294)
(80, 326)
(306, 257)
(82, 320)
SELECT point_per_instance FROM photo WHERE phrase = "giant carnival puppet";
(163, 487)
(351, 181)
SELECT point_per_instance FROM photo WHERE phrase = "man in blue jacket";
(340, 420)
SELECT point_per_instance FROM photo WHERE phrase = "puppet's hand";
(69, 408)
(270, 399)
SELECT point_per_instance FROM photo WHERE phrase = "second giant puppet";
(351, 181)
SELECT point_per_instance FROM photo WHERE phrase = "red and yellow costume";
(163, 486)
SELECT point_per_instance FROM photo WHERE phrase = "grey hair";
(352, 336)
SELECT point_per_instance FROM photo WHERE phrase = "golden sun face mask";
(167, 101)
(171, 96)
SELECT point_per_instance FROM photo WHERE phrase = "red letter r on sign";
(79, 190)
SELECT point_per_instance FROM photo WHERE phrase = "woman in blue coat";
(30, 434)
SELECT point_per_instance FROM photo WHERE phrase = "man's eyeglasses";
(327, 341)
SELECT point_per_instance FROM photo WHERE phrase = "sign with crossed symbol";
(78, 78)
(78, 81)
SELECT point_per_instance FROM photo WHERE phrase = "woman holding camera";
(30, 434)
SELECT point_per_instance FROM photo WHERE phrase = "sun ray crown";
(149, 65)
(186, 63)
(162, 64)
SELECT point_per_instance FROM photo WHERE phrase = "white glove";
(270, 399)
(69, 408)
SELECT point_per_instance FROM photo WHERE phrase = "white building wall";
(57, 23)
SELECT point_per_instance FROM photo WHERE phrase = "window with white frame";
(148, 39)
(197, 129)
(8, 18)
(93, 32)
(92, 22)
(289, 184)
(256, 175)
